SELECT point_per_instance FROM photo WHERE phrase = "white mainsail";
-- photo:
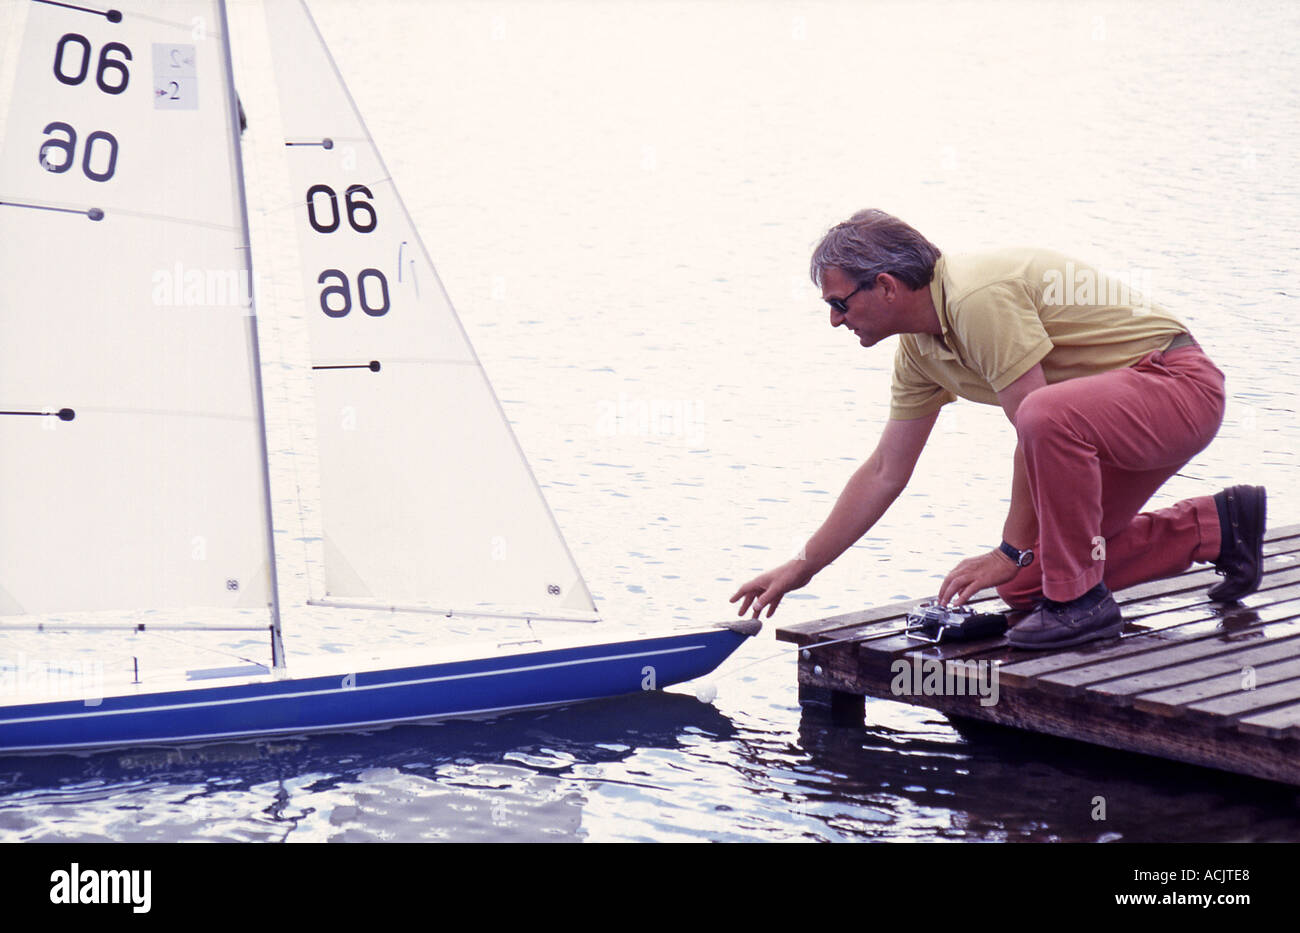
(426, 498)
(126, 301)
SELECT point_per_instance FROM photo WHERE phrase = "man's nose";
(836, 318)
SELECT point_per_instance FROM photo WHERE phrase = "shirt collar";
(931, 344)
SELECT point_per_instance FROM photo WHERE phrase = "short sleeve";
(1000, 332)
(912, 393)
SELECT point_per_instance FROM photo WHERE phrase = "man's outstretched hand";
(766, 589)
(975, 574)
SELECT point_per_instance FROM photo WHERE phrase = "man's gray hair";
(871, 242)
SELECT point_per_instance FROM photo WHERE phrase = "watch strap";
(1015, 555)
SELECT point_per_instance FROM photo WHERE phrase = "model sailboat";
(133, 458)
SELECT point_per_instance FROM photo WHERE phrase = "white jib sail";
(126, 302)
(427, 499)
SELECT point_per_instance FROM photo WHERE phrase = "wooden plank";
(1278, 588)
(1076, 680)
(1205, 679)
(1279, 723)
(1248, 703)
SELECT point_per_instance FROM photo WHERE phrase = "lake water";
(622, 198)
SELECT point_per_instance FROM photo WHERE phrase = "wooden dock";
(1189, 679)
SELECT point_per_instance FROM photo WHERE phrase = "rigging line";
(330, 602)
(94, 213)
(299, 203)
(228, 654)
(164, 412)
(145, 215)
(209, 31)
(433, 361)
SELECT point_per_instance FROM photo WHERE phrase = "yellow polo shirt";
(1004, 311)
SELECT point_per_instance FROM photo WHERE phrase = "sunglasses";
(842, 304)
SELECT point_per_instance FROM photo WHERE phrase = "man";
(1109, 395)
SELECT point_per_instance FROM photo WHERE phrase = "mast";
(237, 160)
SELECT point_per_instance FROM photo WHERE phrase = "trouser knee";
(1038, 418)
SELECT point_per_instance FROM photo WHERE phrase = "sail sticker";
(401, 246)
(175, 78)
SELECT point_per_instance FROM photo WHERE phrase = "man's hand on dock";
(771, 586)
(975, 574)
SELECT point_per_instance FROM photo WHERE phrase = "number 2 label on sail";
(175, 79)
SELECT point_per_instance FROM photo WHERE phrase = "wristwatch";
(1019, 558)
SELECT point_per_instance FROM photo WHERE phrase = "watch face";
(1026, 557)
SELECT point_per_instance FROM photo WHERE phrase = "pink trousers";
(1096, 449)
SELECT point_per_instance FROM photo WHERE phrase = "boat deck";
(1189, 679)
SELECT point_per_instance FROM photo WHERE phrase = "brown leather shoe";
(1060, 625)
(1241, 560)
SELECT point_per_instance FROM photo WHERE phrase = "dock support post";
(842, 709)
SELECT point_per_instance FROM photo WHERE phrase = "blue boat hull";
(366, 699)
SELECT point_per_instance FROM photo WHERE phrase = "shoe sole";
(1111, 631)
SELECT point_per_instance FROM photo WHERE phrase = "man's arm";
(870, 491)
